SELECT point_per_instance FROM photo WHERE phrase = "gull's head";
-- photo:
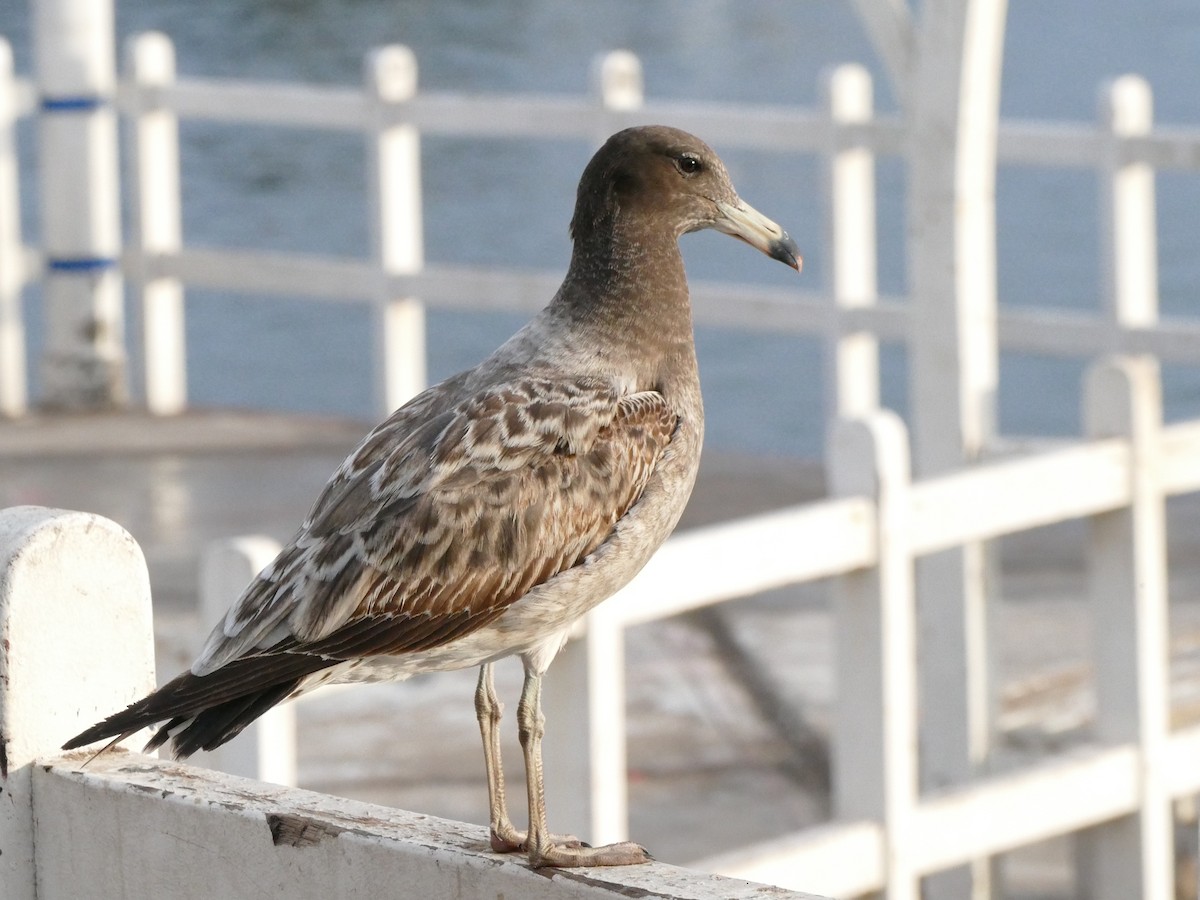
(673, 179)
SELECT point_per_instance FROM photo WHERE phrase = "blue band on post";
(80, 264)
(80, 103)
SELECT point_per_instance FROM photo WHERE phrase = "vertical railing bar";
(874, 740)
(1132, 856)
(155, 225)
(14, 392)
(394, 201)
(84, 358)
(852, 359)
(267, 748)
(1128, 226)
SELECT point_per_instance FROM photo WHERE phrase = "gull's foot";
(564, 856)
(504, 838)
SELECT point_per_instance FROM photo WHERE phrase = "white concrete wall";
(138, 828)
(76, 643)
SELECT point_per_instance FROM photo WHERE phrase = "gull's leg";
(543, 849)
(504, 837)
(488, 709)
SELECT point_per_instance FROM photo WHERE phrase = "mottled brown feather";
(483, 530)
(401, 558)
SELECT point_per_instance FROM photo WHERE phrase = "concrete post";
(76, 644)
(84, 363)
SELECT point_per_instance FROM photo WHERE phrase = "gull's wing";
(424, 535)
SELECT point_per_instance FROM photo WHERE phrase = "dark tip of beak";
(785, 250)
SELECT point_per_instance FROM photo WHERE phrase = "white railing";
(1122, 147)
(867, 538)
(77, 643)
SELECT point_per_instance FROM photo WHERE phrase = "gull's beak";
(744, 221)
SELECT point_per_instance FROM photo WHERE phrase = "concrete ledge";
(129, 826)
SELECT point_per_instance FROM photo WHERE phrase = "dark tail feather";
(218, 724)
(203, 712)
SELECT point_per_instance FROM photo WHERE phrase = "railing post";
(394, 197)
(874, 741)
(155, 227)
(266, 749)
(84, 361)
(1128, 227)
(76, 644)
(584, 695)
(953, 114)
(14, 397)
(617, 82)
(852, 357)
(1132, 856)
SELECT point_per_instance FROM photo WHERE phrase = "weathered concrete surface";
(155, 830)
(61, 570)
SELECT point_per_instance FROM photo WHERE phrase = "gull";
(487, 514)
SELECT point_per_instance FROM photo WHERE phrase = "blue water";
(509, 201)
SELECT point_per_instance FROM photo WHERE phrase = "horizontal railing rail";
(618, 102)
(841, 537)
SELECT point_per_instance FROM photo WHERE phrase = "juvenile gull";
(484, 516)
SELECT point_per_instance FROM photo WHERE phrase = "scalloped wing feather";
(426, 534)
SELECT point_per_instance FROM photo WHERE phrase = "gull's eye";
(688, 164)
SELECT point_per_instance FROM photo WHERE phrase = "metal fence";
(882, 521)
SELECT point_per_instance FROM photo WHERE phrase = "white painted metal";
(155, 225)
(777, 128)
(874, 733)
(266, 749)
(83, 363)
(954, 368)
(14, 397)
(1056, 484)
(852, 357)
(889, 25)
(992, 815)
(1128, 227)
(617, 83)
(394, 173)
(76, 642)
(952, 164)
(587, 783)
(1132, 856)
(842, 859)
(746, 556)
